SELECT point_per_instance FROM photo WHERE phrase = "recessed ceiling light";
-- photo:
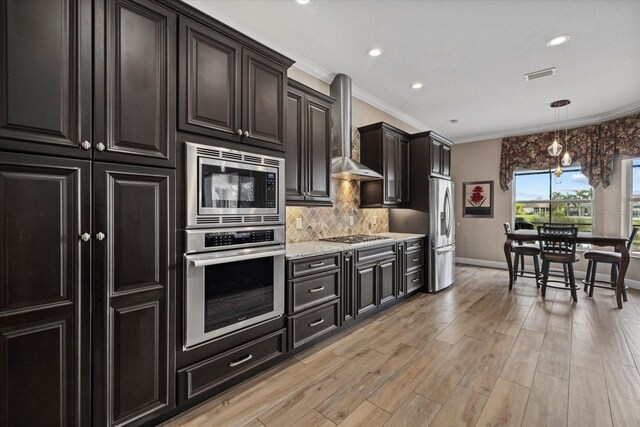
(562, 38)
(303, 1)
(374, 52)
(416, 85)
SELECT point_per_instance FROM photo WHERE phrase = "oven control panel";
(271, 190)
(232, 238)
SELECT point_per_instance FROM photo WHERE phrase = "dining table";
(618, 242)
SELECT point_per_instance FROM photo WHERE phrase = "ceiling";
(471, 57)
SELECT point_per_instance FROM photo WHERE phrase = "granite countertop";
(313, 248)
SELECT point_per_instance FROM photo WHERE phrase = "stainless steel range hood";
(343, 166)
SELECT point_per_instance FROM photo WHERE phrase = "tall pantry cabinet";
(87, 194)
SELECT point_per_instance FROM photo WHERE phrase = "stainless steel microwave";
(228, 188)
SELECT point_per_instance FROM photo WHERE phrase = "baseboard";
(635, 284)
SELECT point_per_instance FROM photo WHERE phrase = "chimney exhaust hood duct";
(343, 166)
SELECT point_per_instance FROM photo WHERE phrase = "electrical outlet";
(375, 220)
(351, 220)
(299, 223)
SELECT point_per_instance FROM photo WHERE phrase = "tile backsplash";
(335, 221)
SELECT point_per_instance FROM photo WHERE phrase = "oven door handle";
(203, 261)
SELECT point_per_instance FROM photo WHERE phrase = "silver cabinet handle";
(100, 146)
(415, 280)
(100, 236)
(415, 244)
(246, 133)
(316, 323)
(314, 290)
(85, 145)
(85, 237)
(316, 264)
(415, 260)
(239, 132)
(241, 361)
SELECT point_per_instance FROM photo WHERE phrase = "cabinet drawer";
(412, 245)
(306, 266)
(413, 260)
(313, 323)
(375, 253)
(310, 291)
(414, 280)
(209, 373)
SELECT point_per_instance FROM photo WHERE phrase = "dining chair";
(606, 257)
(520, 251)
(558, 245)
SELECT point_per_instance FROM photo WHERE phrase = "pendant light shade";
(566, 159)
(555, 148)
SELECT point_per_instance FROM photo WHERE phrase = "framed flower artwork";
(477, 199)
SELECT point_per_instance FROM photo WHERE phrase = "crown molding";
(547, 127)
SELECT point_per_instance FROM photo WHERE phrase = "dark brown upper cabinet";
(134, 281)
(45, 76)
(385, 149)
(228, 90)
(45, 302)
(134, 87)
(439, 153)
(308, 146)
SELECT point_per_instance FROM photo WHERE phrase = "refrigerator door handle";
(445, 249)
(447, 207)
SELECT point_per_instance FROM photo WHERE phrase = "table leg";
(624, 263)
(507, 254)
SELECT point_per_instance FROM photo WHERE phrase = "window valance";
(593, 146)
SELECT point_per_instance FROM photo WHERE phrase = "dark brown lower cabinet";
(387, 280)
(366, 289)
(134, 280)
(348, 289)
(44, 310)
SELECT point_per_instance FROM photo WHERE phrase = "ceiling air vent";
(540, 74)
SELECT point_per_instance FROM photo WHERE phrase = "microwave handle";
(212, 261)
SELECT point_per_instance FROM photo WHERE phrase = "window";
(634, 201)
(542, 199)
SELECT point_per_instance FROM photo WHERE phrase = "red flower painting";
(477, 198)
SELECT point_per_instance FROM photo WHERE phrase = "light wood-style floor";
(476, 354)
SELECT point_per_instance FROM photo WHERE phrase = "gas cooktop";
(355, 238)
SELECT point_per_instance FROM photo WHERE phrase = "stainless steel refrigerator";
(431, 212)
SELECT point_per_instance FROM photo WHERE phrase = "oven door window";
(227, 187)
(237, 291)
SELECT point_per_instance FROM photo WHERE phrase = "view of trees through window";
(541, 198)
(635, 202)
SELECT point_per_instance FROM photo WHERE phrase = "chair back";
(632, 237)
(558, 240)
(507, 228)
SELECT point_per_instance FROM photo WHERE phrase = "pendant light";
(566, 159)
(555, 148)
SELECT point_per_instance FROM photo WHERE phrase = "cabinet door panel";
(387, 277)
(45, 58)
(295, 154)
(44, 283)
(210, 82)
(319, 143)
(366, 285)
(263, 95)
(139, 79)
(390, 155)
(436, 157)
(403, 168)
(134, 267)
(445, 166)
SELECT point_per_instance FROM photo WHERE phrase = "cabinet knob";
(246, 133)
(239, 132)
(85, 237)
(85, 145)
(100, 146)
(100, 236)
